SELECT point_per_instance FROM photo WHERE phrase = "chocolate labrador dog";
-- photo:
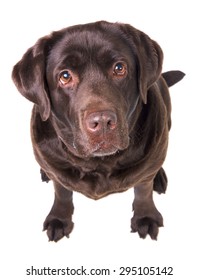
(101, 118)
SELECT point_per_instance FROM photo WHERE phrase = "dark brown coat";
(101, 118)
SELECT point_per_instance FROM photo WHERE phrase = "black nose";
(101, 122)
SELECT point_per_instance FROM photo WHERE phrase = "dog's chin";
(102, 149)
(104, 152)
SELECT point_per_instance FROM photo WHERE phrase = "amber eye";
(65, 77)
(120, 69)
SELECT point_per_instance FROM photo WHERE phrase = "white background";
(101, 237)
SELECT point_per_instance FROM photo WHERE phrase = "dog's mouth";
(101, 149)
(101, 134)
(104, 148)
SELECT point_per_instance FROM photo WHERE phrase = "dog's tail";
(173, 77)
(44, 177)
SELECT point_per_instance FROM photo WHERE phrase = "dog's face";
(93, 90)
(88, 80)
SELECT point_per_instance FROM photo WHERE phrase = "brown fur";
(101, 118)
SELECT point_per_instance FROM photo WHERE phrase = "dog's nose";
(101, 122)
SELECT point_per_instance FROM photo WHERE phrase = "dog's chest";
(96, 184)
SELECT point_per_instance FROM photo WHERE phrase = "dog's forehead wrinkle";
(89, 43)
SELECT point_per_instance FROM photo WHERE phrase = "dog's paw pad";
(57, 229)
(146, 226)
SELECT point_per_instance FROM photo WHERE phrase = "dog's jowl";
(101, 118)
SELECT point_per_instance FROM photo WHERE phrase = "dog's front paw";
(57, 228)
(147, 225)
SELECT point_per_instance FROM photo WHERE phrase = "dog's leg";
(160, 181)
(59, 221)
(146, 219)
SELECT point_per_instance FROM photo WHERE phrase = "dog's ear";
(29, 76)
(149, 58)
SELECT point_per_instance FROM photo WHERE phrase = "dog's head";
(88, 79)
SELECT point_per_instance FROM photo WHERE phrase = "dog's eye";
(65, 77)
(120, 69)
